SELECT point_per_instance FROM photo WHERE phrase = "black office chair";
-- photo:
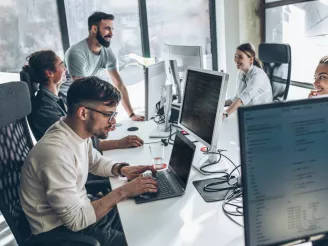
(15, 144)
(277, 64)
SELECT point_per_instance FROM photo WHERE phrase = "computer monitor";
(202, 108)
(155, 80)
(185, 56)
(284, 170)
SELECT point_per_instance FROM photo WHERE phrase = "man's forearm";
(125, 100)
(107, 203)
(108, 144)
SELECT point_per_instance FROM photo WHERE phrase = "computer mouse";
(134, 128)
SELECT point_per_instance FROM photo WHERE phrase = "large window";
(126, 42)
(305, 27)
(170, 23)
(27, 26)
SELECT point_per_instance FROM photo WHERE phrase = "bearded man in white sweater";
(53, 194)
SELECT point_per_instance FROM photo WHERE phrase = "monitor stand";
(221, 166)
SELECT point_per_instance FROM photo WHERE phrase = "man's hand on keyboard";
(138, 186)
(132, 172)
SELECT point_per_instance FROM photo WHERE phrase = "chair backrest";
(277, 64)
(15, 144)
(32, 87)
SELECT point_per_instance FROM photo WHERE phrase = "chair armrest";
(63, 237)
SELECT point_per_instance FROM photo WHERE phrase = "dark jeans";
(108, 230)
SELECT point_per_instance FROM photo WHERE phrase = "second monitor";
(202, 108)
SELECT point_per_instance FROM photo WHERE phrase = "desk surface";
(181, 221)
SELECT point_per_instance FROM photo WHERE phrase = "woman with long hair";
(253, 84)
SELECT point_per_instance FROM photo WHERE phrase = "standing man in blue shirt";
(94, 57)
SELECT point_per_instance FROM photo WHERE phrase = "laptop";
(172, 182)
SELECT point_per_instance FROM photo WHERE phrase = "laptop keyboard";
(164, 187)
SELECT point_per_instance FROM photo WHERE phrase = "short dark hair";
(38, 63)
(91, 89)
(98, 16)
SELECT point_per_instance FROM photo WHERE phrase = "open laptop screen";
(182, 157)
(284, 161)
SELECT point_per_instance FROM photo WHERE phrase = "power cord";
(218, 152)
(159, 119)
(233, 199)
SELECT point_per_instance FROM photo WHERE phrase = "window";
(126, 42)
(187, 25)
(305, 27)
(27, 26)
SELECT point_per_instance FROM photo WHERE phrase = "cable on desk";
(159, 119)
(218, 152)
(233, 199)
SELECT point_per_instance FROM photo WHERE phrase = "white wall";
(237, 22)
(7, 77)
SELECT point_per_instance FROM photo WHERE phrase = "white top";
(53, 179)
(253, 87)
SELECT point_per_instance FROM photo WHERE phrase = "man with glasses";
(53, 194)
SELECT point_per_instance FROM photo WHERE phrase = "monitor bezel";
(241, 118)
(219, 111)
(147, 83)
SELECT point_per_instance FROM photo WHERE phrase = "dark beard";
(101, 40)
(95, 132)
(100, 135)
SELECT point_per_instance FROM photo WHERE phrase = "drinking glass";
(157, 153)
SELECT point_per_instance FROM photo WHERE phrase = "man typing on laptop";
(53, 194)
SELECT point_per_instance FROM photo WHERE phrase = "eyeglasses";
(110, 116)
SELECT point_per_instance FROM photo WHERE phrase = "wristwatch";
(120, 166)
(225, 113)
(131, 115)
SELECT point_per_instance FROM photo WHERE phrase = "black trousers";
(108, 230)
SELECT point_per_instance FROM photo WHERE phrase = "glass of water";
(157, 153)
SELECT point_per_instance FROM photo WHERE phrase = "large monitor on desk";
(202, 107)
(284, 165)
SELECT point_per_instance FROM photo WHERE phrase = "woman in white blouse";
(253, 85)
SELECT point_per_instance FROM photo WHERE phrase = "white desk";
(181, 221)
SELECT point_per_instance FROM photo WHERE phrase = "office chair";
(15, 144)
(277, 63)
